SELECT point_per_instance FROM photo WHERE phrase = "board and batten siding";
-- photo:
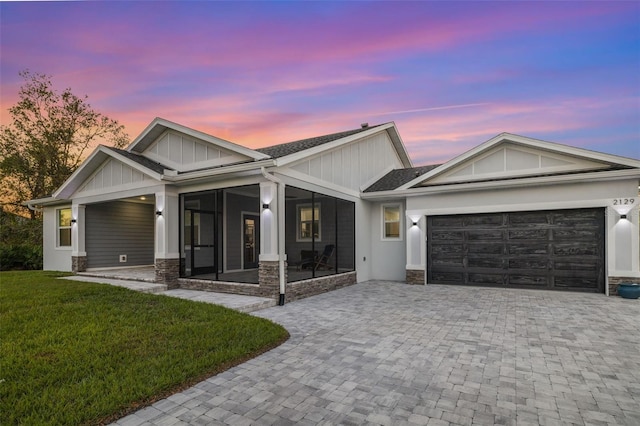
(353, 165)
(112, 175)
(182, 152)
(118, 228)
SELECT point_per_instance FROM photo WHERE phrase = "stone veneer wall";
(415, 276)
(268, 283)
(615, 281)
(301, 289)
(78, 263)
(167, 272)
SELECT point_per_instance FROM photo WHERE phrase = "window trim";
(60, 228)
(299, 222)
(384, 222)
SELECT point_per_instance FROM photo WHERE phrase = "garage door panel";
(528, 234)
(448, 236)
(483, 220)
(528, 280)
(488, 279)
(444, 277)
(495, 248)
(576, 249)
(520, 263)
(485, 262)
(560, 249)
(528, 249)
(449, 261)
(528, 219)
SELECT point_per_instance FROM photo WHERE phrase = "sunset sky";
(451, 75)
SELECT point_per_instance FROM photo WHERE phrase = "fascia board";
(400, 146)
(202, 174)
(292, 158)
(47, 201)
(99, 153)
(318, 183)
(502, 184)
(166, 124)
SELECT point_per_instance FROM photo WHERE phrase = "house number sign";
(623, 201)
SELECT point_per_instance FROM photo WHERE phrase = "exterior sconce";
(623, 216)
(265, 206)
(158, 213)
(415, 223)
(74, 221)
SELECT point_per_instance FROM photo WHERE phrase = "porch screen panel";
(320, 234)
(346, 235)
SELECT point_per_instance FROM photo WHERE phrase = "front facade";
(309, 216)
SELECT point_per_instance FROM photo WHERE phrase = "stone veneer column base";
(78, 263)
(615, 281)
(269, 278)
(167, 272)
(415, 276)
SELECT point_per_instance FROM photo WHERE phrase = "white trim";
(318, 182)
(59, 228)
(503, 184)
(383, 234)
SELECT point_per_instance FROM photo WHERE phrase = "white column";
(268, 221)
(78, 230)
(167, 220)
(416, 241)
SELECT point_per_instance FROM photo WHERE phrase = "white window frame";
(299, 207)
(384, 222)
(60, 228)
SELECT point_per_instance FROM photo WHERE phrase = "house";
(305, 217)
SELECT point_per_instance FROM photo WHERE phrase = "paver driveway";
(390, 353)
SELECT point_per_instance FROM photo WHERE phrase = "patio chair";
(307, 259)
(325, 257)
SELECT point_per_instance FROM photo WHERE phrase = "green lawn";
(82, 353)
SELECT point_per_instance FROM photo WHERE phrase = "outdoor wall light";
(158, 213)
(623, 216)
(415, 223)
(265, 206)
(74, 221)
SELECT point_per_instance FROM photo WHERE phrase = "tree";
(49, 137)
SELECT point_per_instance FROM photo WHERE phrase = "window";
(391, 222)
(308, 222)
(64, 227)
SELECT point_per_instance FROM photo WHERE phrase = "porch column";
(272, 206)
(78, 250)
(167, 247)
(416, 256)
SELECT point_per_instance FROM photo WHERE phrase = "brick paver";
(386, 353)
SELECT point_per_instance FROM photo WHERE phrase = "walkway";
(232, 301)
(391, 354)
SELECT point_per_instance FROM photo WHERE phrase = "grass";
(83, 353)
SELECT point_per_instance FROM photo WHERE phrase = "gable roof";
(605, 162)
(398, 177)
(159, 125)
(284, 149)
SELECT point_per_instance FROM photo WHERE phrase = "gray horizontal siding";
(119, 228)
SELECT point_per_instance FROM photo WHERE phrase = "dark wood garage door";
(553, 250)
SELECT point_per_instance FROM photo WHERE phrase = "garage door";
(553, 250)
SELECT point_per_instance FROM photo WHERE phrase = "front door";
(200, 232)
(250, 232)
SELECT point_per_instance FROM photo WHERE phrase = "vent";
(364, 125)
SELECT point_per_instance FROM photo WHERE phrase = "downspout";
(281, 237)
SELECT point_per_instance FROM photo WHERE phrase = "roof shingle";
(396, 178)
(284, 149)
(143, 161)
